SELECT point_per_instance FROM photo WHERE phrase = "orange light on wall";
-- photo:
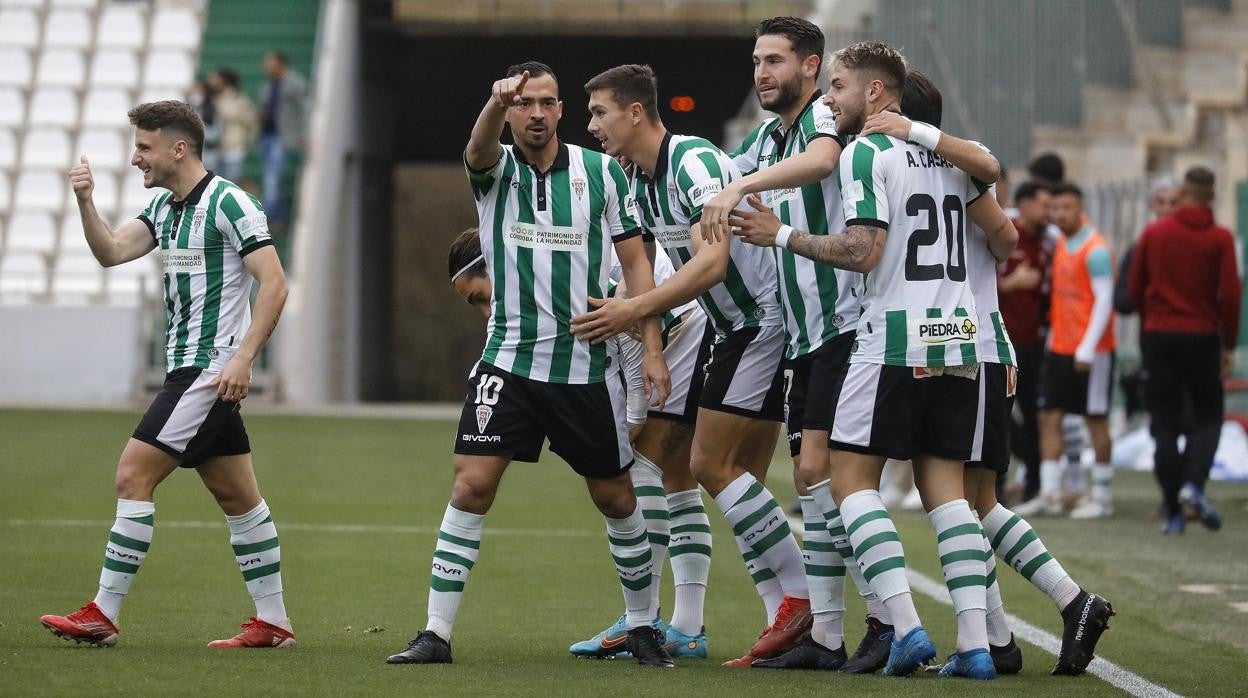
(683, 103)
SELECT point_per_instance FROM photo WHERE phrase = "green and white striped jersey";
(546, 238)
(690, 172)
(918, 309)
(819, 301)
(981, 267)
(202, 242)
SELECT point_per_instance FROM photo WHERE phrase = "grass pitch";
(357, 503)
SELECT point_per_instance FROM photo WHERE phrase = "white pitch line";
(319, 528)
(1113, 674)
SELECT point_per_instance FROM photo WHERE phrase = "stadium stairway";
(1202, 86)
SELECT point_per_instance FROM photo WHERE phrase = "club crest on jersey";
(942, 331)
(578, 187)
(197, 221)
(484, 412)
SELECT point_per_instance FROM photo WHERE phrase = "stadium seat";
(76, 276)
(54, 106)
(19, 27)
(106, 106)
(32, 4)
(106, 196)
(134, 196)
(122, 26)
(81, 4)
(61, 68)
(167, 68)
(30, 232)
(15, 67)
(12, 107)
(71, 240)
(127, 283)
(115, 67)
(23, 274)
(106, 148)
(46, 147)
(67, 29)
(40, 191)
(8, 149)
(157, 94)
(175, 27)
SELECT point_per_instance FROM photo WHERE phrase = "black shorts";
(899, 412)
(744, 375)
(506, 415)
(997, 385)
(809, 387)
(189, 422)
(1076, 392)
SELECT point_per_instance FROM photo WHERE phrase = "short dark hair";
(1029, 190)
(1066, 188)
(1048, 167)
(628, 84)
(465, 248)
(1198, 184)
(921, 100)
(536, 70)
(174, 117)
(876, 57)
(280, 55)
(806, 38)
(229, 76)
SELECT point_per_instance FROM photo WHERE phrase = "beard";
(849, 121)
(536, 141)
(784, 97)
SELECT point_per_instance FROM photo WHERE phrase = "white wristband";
(782, 235)
(925, 135)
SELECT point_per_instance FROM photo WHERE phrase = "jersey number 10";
(955, 230)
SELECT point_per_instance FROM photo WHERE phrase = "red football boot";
(257, 633)
(793, 620)
(88, 624)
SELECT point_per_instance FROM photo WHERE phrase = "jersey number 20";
(955, 231)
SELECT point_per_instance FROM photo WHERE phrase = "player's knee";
(472, 494)
(615, 502)
(133, 483)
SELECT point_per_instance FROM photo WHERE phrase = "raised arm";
(965, 155)
(986, 213)
(131, 240)
(484, 148)
(858, 249)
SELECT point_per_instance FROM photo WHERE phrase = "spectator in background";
(1163, 196)
(283, 128)
(1047, 169)
(1186, 285)
(1021, 288)
(201, 99)
(238, 122)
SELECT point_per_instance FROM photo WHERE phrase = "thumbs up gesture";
(81, 180)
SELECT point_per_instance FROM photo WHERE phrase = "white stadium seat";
(61, 67)
(106, 148)
(67, 29)
(15, 67)
(41, 191)
(30, 232)
(122, 26)
(106, 106)
(105, 196)
(159, 94)
(54, 106)
(76, 275)
(71, 240)
(8, 150)
(23, 274)
(115, 67)
(134, 196)
(31, 4)
(18, 27)
(175, 27)
(127, 283)
(46, 147)
(167, 68)
(12, 107)
(81, 4)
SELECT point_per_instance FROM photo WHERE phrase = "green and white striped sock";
(690, 555)
(459, 542)
(836, 527)
(998, 627)
(960, 543)
(825, 573)
(1016, 542)
(758, 523)
(630, 547)
(652, 500)
(127, 546)
(254, 539)
(1102, 479)
(878, 550)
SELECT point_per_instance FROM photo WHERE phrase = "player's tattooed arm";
(858, 249)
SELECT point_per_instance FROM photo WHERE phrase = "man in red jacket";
(1185, 283)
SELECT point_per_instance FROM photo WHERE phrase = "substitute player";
(214, 240)
(790, 159)
(1085, 616)
(742, 398)
(911, 387)
(549, 213)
